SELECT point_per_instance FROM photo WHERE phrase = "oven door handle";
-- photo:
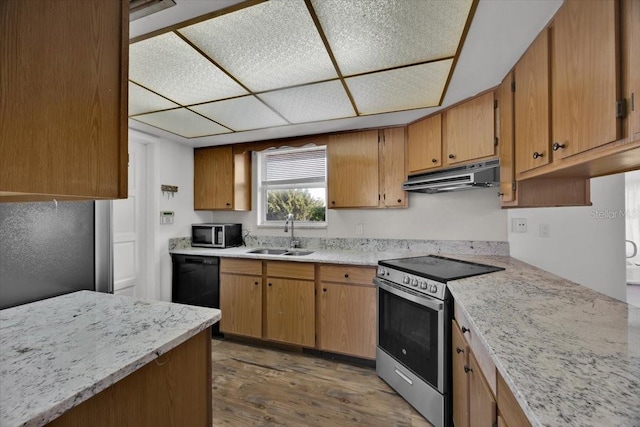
(426, 301)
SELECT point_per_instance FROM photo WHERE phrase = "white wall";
(172, 164)
(465, 215)
(585, 244)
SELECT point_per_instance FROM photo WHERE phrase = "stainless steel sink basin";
(288, 252)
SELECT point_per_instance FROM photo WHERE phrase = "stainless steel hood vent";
(475, 175)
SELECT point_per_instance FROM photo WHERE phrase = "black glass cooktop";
(439, 268)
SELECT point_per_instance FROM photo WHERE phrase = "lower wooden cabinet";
(290, 311)
(511, 413)
(347, 310)
(459, 353)
(241, 297)
(482, 404)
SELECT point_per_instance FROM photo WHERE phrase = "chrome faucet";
(292, 243)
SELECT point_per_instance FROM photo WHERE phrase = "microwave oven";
(216, 235)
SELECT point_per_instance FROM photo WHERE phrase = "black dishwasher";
(196, 281)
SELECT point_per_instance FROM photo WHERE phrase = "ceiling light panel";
(271, 45)
(241, 114)
(368, 35)
(311, 103)
(142, 100)
(182, 122)
(418, 86)
(167, 65)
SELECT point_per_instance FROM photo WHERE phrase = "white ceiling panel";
(167, 65)
(182, 122)
(240, 114)
(418, 86)
(271, 45)
(142, 101)
(368, 35)
(311, 103)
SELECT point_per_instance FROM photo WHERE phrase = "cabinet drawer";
(347, 274)
(291, 270)
(241, 266)
(509, 407)
(487, 366)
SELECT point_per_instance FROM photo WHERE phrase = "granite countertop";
(570, 355)
(57, 353)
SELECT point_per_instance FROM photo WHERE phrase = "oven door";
(411, 330)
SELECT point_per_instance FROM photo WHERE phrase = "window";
(293, 180)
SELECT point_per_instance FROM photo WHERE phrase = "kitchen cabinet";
(64, 99)
(482, 404)
(347, 310)
(468, 130)
(222, 179)
(459, 352)
(290, 303)
(174, 389)
(424, 144)
(241, 297)
(584, 76)
(510, 411)
(630, 22)
(366, 169)
(506, 142)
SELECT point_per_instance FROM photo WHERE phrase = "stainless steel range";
(413, 352)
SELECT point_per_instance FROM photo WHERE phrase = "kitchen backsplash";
(466, 247)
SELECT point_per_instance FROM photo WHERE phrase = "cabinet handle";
(464, 330)
(324, 289)
(434, 160)
(556, 146)
(537, 155)
(500, 194)
(255, 283)
(451, 156)
(459, 350)
(333, 202)
(228, 204)
(467, 369)
(399, 200)
(269, 284)
(346, 275)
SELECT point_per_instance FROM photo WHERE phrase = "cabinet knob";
(255, 283)
(537, 155)
(333, 202)
(268, 284)
(467, 369)
(500, 194)
(399, 200)
(346, 275)
(452, 156)
(434, 160)
(228, 204)
(556, 146)
(464, 330)
(459, 350)
(324, 289)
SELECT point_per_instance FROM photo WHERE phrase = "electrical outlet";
(518, 225)
(544, 230)
(359, 229)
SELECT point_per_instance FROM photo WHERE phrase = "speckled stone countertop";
(570, 355)
(57, 353)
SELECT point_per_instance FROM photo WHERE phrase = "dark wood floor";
(258, 386)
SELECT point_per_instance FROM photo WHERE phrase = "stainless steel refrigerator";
(49, 249)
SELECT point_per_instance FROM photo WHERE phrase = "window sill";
(323, 225)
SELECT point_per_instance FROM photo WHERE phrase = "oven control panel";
(412, 281)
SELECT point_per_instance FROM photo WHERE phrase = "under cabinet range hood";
(475, 175)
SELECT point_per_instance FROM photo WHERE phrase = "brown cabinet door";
(482, 404)
(241, 303)
(584, 76)
(347, 319)
(63, 84)
(460, 379)
(213, 178)
(352, 169)
(290, 310)
(392, 168)
(424, 144)
(468, 130)
(506, 146)
(532, 106)
(633, 66)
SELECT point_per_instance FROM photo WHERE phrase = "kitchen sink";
(288, 252)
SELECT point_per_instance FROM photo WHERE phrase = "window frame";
(306, 183)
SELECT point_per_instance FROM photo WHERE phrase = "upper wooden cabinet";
(506, 144)
(366, 169)
(63, 80)
(222, 179)
(584, 76)
(424, 144)
(630, 20)
(532, 106)
(468, 130)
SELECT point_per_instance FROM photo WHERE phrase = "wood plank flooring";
(258, 386)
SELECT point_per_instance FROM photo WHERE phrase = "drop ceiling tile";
(240, 114)
(143, 101)
(267, 46)
(167, 65)
(182, 122)
(311, 103)
(368, 35)
(406, 88)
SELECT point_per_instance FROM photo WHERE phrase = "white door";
(129, 228)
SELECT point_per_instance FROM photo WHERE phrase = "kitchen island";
(89, 358)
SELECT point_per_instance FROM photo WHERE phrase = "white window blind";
(295, 166)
